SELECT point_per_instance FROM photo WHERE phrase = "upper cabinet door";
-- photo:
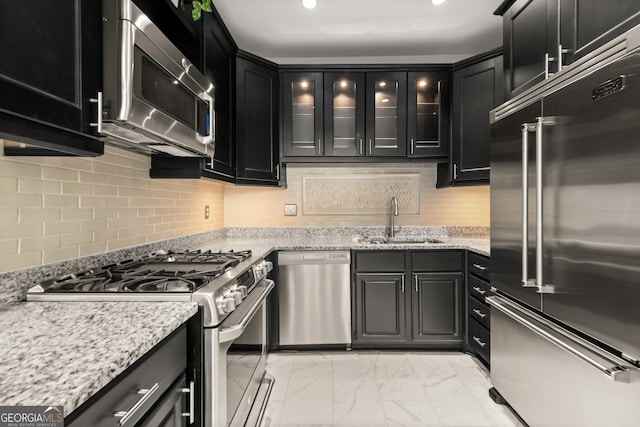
(302, 131)
(428, 114)
(386, 114)
(531, 42)
(478, 88)
(257, 141)
(344, 96)
(51, 66)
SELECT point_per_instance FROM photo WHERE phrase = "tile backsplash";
(264, 207)
(59, 208)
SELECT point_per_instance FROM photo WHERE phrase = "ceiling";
(363, 31)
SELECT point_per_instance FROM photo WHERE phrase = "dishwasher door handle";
(314, 257)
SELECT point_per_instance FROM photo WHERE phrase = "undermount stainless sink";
(408, 240)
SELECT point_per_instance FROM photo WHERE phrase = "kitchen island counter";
(61, 353)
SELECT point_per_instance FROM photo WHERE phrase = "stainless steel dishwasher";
(314, 297)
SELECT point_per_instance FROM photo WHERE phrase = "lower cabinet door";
(380, 308)
(437, 307)
(173, 409)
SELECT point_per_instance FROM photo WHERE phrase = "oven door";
(236, 360)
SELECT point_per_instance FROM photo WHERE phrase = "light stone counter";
(61, 353)
(264, 245)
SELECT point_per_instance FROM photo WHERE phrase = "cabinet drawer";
(479, 339)
(379, 261)
(435, 261)
(155, 372)
(479, 311)
(478, 265)
(479, 288)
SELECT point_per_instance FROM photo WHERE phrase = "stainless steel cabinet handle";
(125, 416)
(361, 146)
(479, 341)
(547, 60)
(561, 52)
(98, 123)
(370, 146)
(479, 313)
(192, 402)
(415, 282)
(319, 147)
(480, 267)
(478, 290)
(278, 172)
(402, 283)
(412, 145)
(455, 171)
(614, 370)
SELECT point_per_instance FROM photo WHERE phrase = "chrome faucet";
(394, 212)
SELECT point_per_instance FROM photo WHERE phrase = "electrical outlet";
(206, 212)
(290, 210)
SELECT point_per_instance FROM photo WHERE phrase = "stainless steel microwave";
(154, 100)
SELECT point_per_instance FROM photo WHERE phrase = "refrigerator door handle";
(613, 369)
(526, 282)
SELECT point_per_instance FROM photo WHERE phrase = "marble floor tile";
(381, 389)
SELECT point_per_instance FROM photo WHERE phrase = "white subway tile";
(8, 215)
(8, 247)
(19, 231)
(54, 255)
(61, 201)
(59, 174)
(35, 244)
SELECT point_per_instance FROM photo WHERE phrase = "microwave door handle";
(211, 123)
(230, 333)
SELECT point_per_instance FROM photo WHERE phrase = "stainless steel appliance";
(230, 287)
(565, 243)
(154, 99)
(314, 298)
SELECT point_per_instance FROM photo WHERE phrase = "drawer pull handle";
(146, 393)
(479, 341)
(480, 267)
(479, 313)
(478, 290)
(192, 402)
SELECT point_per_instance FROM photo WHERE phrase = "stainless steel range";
(230, 287)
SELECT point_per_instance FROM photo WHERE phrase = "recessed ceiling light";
(309, 4)
(422, 83)
(437, 1)
(385, 99)
(304, 84)
(382, 84)
(343, 83)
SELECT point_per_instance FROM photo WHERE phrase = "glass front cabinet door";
(344, 114)
(386, 114)
(427, 114)
(302, 132)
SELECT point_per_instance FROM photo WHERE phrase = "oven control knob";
(226, 304)
(237, 297)
(243, 291)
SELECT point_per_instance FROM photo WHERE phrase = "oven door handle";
(230, 333)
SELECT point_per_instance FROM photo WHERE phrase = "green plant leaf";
(206, 6)
(197, 10)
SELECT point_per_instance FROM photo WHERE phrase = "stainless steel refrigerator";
(565, 244)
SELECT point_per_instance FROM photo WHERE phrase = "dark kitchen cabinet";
(50, 76)
(478, 88)
(531, 41)
(386, 114)
(302, 114)
(257, 122)
(344, 114)
(408, 299)
(428, 95)
(219, 68)
(588, 24)
(147, 395)
(478, 311)
(541, 37)
(380, 308)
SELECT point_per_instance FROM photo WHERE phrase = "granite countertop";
(61, 353)
(263, 246)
